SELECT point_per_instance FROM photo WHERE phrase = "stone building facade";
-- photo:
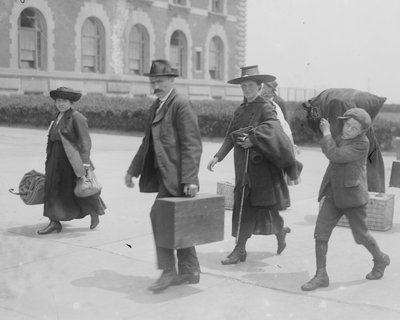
(105, 46)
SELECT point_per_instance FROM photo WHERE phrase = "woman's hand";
(129, 181)
(212, 163)
(246, 143)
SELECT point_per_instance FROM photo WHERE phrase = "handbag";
(31, 188)
(87, 185)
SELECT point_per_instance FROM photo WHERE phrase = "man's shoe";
(235, 256)
(379, 268)
(166, 279)
(191, 278)
(52, 226)
(281, 237)
(320, 280)
(94, 220)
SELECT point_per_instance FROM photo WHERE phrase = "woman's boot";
(52, 226)
(281, 237)
(94, 220)
(321, 278)
(238, 254)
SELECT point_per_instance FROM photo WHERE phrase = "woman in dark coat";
(68, 134)
(260, 142)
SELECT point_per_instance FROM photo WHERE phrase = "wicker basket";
(225, 188)
(379, 212)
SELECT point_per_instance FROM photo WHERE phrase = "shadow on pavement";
(31, 232)
(282, 281)
(133, 287)
(254, 262)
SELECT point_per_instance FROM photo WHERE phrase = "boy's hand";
(325, 127)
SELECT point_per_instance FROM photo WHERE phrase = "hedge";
(129, 114)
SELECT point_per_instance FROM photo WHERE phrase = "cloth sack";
(87, 185)
(31, 188)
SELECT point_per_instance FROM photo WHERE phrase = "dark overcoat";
(346, 174)
(266, 186)
(172, 143)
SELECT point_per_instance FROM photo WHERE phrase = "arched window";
(216, 61)
(93, 46)
(217, 6)
(178, 53)
(32, 40)
(138, 51)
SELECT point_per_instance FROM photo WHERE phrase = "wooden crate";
(379, 212)
(183, 222)
(225, 188)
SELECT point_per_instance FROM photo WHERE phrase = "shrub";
(127, 114)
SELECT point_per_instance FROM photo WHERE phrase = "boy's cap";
(358, 114)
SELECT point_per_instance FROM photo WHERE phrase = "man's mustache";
(157, 91)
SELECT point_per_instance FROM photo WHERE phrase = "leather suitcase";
(183, 222)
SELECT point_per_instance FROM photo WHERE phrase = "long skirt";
(254, 219)
(60, 202)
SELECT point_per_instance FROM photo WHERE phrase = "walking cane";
(242, 198)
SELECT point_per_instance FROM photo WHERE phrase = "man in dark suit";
(168, 163)
(344, 191)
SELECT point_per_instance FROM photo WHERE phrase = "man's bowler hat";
(358, 114)
(252, 73)
(161, 68)
(65, 93)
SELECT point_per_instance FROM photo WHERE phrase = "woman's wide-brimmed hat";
(252, 73)
(65, 93)
(160, 68)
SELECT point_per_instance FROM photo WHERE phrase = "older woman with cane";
(68, 133)
(262, 152)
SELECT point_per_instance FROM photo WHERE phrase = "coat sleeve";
(136, 166)
(345, 153)
(273, 143)
(190, 143)
(228, 143)
(82, 131)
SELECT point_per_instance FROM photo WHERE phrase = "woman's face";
(63, 105)
(250, 89)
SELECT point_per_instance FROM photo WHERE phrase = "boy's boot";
(381, 260)
(321, 278)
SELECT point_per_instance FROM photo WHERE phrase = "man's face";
(351, 129)
(161, 85)
(250, 89)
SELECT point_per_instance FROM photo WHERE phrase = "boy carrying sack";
(344, 191)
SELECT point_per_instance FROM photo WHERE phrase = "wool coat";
(68, 147)
(346, 175)
(266, 190)
(171, 147)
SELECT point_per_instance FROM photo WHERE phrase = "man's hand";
(190, 189)
(129, 181)
(325, 127)
(212, 163)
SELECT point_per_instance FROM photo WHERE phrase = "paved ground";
(102, 274)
